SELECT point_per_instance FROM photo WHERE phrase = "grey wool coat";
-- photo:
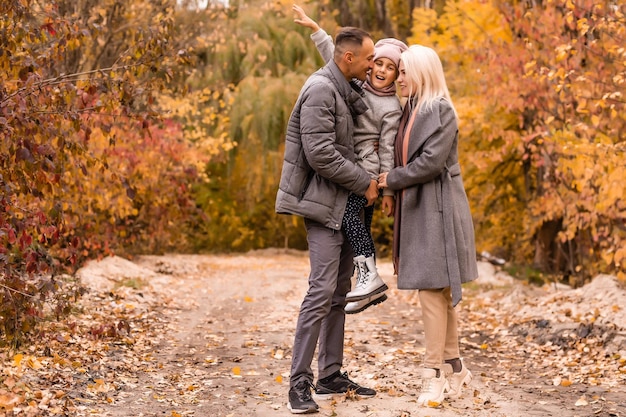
(436, 232)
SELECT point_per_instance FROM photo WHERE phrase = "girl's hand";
(304, 20)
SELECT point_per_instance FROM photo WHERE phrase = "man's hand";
(372, 193)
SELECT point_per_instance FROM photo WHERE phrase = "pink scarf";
(401, 147)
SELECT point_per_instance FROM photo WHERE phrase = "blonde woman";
(434, 250)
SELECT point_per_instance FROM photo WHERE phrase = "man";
(318, 174)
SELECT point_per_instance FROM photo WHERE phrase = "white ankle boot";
(368, 282)
(433, 387)
(458, 379)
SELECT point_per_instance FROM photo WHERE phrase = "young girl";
(434, 249)
(374, 134)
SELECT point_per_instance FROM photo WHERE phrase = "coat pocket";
(439, 193)
(305, 185)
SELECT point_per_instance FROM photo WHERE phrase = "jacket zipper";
(309, 177)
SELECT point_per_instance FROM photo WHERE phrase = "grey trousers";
(322, 316)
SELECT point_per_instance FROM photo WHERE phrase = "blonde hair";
(423, 67)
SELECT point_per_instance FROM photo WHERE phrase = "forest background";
(144, 127)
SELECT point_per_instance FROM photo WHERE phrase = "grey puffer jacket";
(319, 171)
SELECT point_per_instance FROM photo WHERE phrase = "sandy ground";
(212, 336)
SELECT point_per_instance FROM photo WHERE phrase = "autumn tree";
(540, 89)
(88, 163)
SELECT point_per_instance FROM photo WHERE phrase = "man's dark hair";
(349, 39)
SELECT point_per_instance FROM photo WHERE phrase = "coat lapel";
(425, 124)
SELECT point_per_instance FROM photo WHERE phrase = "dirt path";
(213, 334)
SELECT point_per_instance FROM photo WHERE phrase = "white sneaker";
(458, 379)
(358, 306)
(368, 282)
(433, 387)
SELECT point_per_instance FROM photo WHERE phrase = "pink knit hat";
(389, 48)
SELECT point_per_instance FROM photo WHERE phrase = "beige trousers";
(440, 327)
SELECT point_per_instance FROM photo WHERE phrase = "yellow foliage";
(204, 113)
(465, 24)
(541, 126)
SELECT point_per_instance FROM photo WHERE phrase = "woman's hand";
(382, 180)
(388, 205)
(304, 20)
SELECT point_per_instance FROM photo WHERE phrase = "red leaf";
(12, 238)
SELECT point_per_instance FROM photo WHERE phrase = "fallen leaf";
(33, 363)
(17, 359)
(582, 401)
(10, 400)
(9, 382)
